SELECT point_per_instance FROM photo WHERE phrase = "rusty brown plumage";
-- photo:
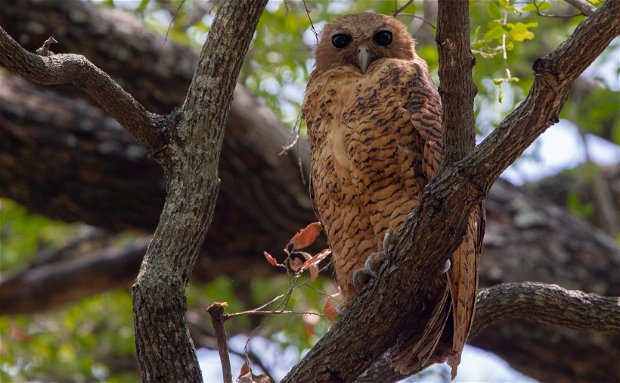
(374, 126)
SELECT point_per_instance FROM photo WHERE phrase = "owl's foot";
(362, 276)
(373, 263)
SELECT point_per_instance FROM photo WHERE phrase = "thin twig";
(174, 16)
(316, 35)
(539, 13)
(216, 310)
(399, 10)
(421, 19)
(270, 312)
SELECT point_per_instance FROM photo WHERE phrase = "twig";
(174, 16)
(421, 19)
(399, 10)
(316, 35)
(216, 310)
(539, 13)
(270, 312)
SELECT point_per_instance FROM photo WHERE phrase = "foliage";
(23, 235)
(75, 344)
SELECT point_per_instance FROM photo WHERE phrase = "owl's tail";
(441, 332)
(415, 349)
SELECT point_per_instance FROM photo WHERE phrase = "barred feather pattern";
(376, 141)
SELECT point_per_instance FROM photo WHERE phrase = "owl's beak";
(363, 58)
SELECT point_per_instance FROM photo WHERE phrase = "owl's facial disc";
(363, 57)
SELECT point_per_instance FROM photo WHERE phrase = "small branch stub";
(216, 310)
(44, 50)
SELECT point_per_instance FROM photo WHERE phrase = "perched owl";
(374, 126)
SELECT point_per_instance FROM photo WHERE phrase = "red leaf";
(315, 259)
(314, 271)
(247, 376)
(312, 263)
(272, 261)
(306, 236)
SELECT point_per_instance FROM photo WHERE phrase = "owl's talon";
(387, 239)
(446, 266)
(362, 276)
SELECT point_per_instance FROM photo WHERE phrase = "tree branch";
(457, 88)
(527, 301)
(383, 307)
(51, 285)
(216, 310)
(546, 304)
(77, 70)
(190, 162)
(583, 6)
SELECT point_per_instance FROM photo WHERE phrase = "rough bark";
(190, 160)
(457, 88)
(255, 189)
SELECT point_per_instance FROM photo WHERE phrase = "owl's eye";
(341, 40)
(383, 38)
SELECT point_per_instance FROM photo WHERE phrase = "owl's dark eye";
(341, 40)
(383, 38)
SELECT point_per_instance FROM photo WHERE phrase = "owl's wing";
(463, 273)
(440, 339)
(417, 347)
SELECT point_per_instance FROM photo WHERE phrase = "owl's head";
(361, 38)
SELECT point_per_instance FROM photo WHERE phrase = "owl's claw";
(362, 276)
(446, 266)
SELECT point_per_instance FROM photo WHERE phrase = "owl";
(373, 119)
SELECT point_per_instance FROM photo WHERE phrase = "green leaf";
(494, 33)
(506, 5)
(493, 10)
(521, 32)
(536, 6)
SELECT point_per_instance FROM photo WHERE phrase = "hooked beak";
(363, 58)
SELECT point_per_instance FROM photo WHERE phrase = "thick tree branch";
(49, 286)
(457, 88)
(383, 308)
(554, 75)
(533, 302)
(77, 70)
(190, 161)
(546, 304)
(583, 6)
